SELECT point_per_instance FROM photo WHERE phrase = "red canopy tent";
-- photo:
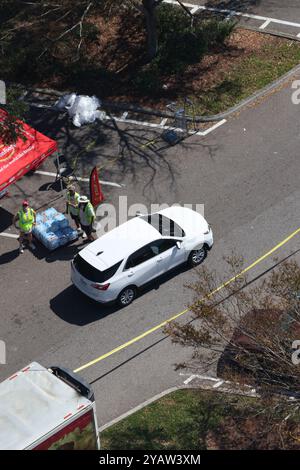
(25, 155)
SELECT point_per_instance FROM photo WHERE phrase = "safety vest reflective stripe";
(73, 200)
(89, 213)
(26, 219)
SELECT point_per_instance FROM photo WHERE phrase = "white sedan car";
(115, 266)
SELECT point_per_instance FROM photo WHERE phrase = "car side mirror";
(178, 244)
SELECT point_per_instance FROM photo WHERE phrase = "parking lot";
(246, 175)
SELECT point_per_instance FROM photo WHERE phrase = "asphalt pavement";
(257, 14)
(246, 173)
(288, 10)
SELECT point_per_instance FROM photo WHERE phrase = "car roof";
(117, 244)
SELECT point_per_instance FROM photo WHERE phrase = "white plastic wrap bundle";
(82, 109)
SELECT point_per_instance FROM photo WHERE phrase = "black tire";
(197, 257)
(127, 296)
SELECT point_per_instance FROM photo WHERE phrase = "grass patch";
(249, 75)
(166, 424)
(201, 420)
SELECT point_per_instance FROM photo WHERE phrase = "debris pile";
(82, 109)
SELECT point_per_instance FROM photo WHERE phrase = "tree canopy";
(247, 333)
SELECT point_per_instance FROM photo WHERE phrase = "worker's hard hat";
(25, 203)
(83, 200)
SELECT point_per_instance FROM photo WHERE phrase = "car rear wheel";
(127, 296)
(197, 256)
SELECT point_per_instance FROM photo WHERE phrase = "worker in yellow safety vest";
(87, 217)
(72, 206)
(26, 219)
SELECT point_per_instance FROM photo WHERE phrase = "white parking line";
(237, 13)
(218, 384)
(192, 377)
(265, 24)
(8, 235)
(79, 178)
(143, 123)
(202, 377)
(124, 119)
(160, 126)
(212, 128)
(193, 10)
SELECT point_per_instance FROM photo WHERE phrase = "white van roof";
(34, 402)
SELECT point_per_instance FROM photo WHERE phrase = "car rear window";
(94, 274)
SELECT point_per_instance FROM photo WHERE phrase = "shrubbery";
(32, 54)
(180, 44)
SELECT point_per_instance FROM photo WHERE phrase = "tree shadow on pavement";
(135, 157)
(117, 151)
(81, 147)
(126, 153)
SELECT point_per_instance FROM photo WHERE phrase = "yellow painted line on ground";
(174, 317)
(151, 142)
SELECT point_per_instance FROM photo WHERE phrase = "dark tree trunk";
(149, 7)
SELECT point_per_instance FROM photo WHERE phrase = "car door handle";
(131, 273)
(159, 260)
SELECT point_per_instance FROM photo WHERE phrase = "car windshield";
(94, 274)
(165, 226)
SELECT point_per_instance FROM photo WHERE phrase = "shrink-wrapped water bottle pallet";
(53, 230)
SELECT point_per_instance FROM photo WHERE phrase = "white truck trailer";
(47, 409)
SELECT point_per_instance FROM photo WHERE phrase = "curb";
(236, 391)
(108, 105)
(138, 407)
(258, 94)
(271, 32)
(219, 386)
(214, 117)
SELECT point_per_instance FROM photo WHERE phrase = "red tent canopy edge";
(23, 156)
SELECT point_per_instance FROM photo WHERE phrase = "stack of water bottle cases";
(52, 229)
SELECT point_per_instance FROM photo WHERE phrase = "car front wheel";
(127, 296)
(197, 256)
